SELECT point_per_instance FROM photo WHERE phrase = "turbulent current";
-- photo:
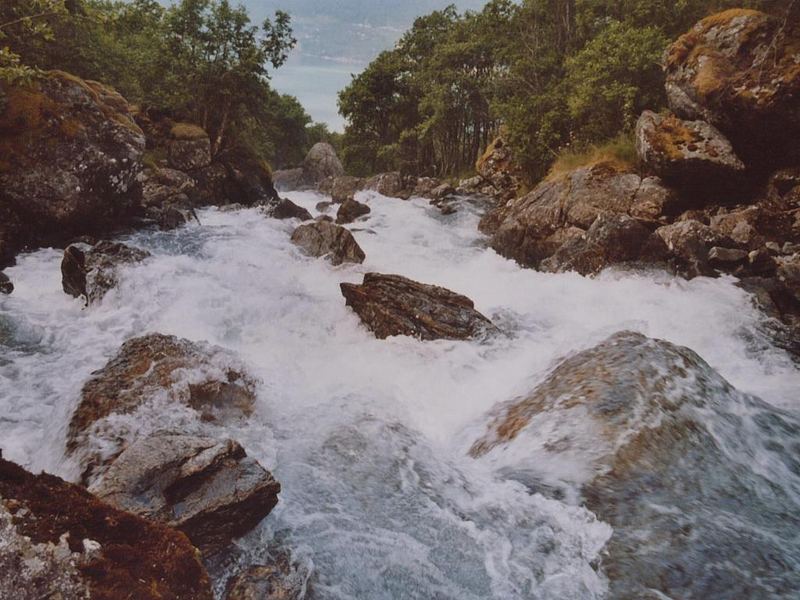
(370, 438)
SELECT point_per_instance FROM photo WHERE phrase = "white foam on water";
(367, 436)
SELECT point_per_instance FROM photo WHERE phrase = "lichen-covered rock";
(90, 271)
(530, 229)
(70, 154)
(350, 210)
(209, 489)
(323, 238)
(345, 188)
(279, 580)
(739, 71)
(6, 287)
(286, 209)
(658, 445)
(497, 168)
(691, 155)
(156, 372)
(59, 541)
(189, 147)
(321, 162)
(394, 305)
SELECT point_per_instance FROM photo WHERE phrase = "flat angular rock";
(350, 210)
(91, 271)
(323, 238)
(209, 489)
(394, 305)
(59, 541)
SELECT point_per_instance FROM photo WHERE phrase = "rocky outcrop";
(6, 287)
(278, 580)
(691, 155)
(334, 242)
(70, 154)
(321, 162)
(500, 175)
(534, 227)
(286, 209)
(350, 210)
(90, 271)
(156, 371)
(189, 147)
(738, 70)
(167, 196)
(344, 188)
(393, 305)
(209, 489)
(59, 541)
(650, 425)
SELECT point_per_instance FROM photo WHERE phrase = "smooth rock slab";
(394, 305)
(323, 238)
(91, 271)
(209, 489)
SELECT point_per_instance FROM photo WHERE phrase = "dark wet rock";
(726, 257)
(531, 228)
(286, 209)
(211, 186)
(59, 541)
(350, 210)
(345, 188)
(90, 271)
(189, 147)
(321, 162)
(279, 580)
(661, 447)
(323, 238)
(394, 305)
(249, 181)
(155, 368)
(738, 70)
(691, 155)
(498, 171)
(6, 287)
(209, 489)
(70, 154)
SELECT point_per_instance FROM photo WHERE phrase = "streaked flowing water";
(368, 437)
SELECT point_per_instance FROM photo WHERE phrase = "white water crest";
(369, 437)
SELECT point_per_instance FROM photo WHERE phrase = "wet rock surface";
(159, 369)
(393, 305)
(279, 580)
(661, 447)
(6, 287)
(286, 209)
(59, 541)
(323, 238)
(499, 176)
(209, 489)
(90, 271)
(350, 210)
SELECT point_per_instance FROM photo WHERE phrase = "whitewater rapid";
(369, 437)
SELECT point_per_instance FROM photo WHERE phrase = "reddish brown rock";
(394, 305)
(350, 210)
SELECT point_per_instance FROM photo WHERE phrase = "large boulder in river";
(532, 228)
(59, 541)
(323, 238)
(70, 154)
(90, 271)
(691, 155)
(321, 162)
(189, 147)
(286, 209)
(158, 374)
(345, 188)
(350, 210)
(394, 305)
(6, 287)
(389, 184)
(739, 71)
(209, 489)
(696, 479)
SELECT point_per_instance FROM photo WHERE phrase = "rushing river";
(369, 438)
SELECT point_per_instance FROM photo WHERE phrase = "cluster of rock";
(718, 185)
(498, 176)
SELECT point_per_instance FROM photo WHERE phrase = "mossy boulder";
(70, 154)
(740, 71)
(498, 170)
(189, 147)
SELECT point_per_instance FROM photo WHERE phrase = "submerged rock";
(662, 448)
(350, 210)
(394, 305)
(155, 368)
(59, 541)
(691, 155)
(91, 271)
(207, 488)
(323, 238)
(6, 287)
(286, 209)
(70, 154)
